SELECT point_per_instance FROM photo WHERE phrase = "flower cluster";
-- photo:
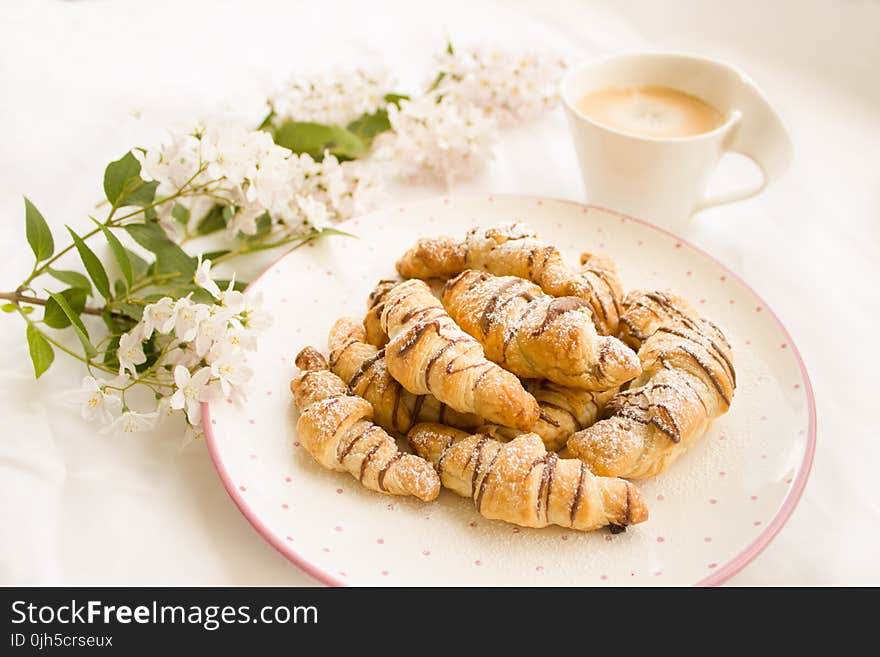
(510, 87)
(335, 98)
(197, 353)
(245, 171)
(435, 138)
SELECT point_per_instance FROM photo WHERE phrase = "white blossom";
(192, 390)
(95, 400)
(210, 329)
(437, 139)
(229, 366)
(187, 317)
(315, 212)
(203, 279)
(509, 86)
(335, 98)
(134, 422)
(230, 298)
(253, 316)
(159, 316)
(130, 353)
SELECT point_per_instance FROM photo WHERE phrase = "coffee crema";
(650, 111)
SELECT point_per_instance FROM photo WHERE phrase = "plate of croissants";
(506, 390)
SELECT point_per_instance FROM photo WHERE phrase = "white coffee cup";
(664, 179)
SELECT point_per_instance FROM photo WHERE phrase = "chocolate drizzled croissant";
(515, 250)
(535, 335)
(522, 483)
(687, 381)
(362, 366)
(335, 428)
(429, 354)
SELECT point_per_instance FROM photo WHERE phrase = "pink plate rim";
(719, 576)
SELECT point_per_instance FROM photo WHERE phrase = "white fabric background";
(81, 82)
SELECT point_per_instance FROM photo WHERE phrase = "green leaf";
(118, 253)
(76, 322)
(315, 138)
(213, 221)
(55, 317)
(264, 225)
(333, 231)
(96, 270)
(181, 214)
(41, 351)
(38, 234)
(223, 283)
(9, 307)
(131, 310)
(110, 359)
(170, 258)
(395, 99)
(123, 184)
(72, 278)
(142, 193)
(213, 255)
(118, 177)
(367, 126)
(138, 264)
(267, 122)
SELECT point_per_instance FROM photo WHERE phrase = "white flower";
(96, 401)
(510, 86)
(232, 299)
(437, 139)
(230, 368)
(335, 98)
(203, 278)
(158, 316)
(253, 317)
(210, 329)
(316, 213)
(187, 317)
(130, 353)
(192, 390)
(237, 338)
(134, 422)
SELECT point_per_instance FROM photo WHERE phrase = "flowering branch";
(172, 329)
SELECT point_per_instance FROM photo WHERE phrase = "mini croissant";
(535, 335)
(335, 428)
(515, 250)
(563, 412)
(687, 381)
(429, 354)
(522, 483)
(362, 366)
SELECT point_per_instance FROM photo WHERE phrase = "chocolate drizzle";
(488, 317)
(353, 442)
(557, 307)
(366, 365)
(576, 500)
(483, 483)
(708, 371)
(476, 456)
(366, 460)
(384, 471)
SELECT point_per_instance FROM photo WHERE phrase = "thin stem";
(17, 297)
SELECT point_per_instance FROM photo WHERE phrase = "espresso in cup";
(650, 111)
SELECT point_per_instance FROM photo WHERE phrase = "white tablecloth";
(81, 82)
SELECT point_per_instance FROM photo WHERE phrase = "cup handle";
(759, 134)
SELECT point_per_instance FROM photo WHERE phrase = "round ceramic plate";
(710, 513)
